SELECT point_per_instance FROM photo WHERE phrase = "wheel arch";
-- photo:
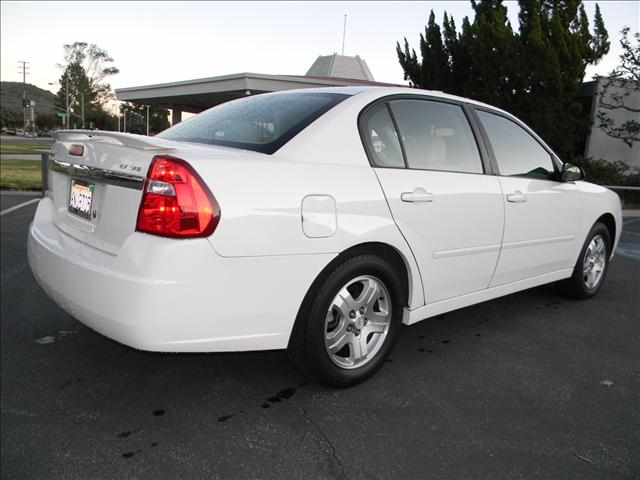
(384, 250)
(610, 222)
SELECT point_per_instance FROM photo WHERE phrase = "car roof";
(383, 91)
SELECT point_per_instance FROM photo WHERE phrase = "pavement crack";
(580, 457)
(326, 440)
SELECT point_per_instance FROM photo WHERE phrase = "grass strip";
(20, 174)
(9, 148)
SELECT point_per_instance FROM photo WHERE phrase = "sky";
(157, 42)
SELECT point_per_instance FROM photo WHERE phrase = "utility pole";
(24, 90)
(125, 121)
(147, 120)
(82, 108)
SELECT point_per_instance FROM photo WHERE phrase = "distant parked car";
(10, 131)
(314, 220)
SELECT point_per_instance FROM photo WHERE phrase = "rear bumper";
(170, 295)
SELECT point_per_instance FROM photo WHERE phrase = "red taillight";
(176, 202)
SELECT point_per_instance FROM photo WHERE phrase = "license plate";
(81, 198)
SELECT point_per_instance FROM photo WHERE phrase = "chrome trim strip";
(100, 174)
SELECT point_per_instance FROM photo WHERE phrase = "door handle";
(418, 195)
(516, 197)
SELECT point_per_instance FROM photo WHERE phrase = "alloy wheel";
(594, 262)
(357, 322)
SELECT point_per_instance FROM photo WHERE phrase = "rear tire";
(348, 322)
(592, 265)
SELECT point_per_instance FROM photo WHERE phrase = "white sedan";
(315, 220)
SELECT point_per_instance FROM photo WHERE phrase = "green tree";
(137, 118)
(84, 70)
(94, 62)
(534, 73)
(10, 118)
(48, 121)
(79, 89)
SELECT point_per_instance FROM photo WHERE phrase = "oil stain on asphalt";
(126, 434)
(284, 394)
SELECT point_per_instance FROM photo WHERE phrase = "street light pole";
(66, 86)
(125, 121)
(147, 120)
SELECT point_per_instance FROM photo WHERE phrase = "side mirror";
(571, 173)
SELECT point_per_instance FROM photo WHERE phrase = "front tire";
(349, 322)
(592, 265)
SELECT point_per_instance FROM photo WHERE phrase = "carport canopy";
(194, 96)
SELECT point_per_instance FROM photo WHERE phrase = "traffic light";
(26, 103)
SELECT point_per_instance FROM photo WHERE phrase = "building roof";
(340, 66)
(197, 95)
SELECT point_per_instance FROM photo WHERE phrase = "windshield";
(262, 123)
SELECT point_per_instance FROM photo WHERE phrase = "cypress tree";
(435, 65)
(535, 73)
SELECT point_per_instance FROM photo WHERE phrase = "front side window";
(381, 138)
(517, 153)
(262, 123)
(436, 136)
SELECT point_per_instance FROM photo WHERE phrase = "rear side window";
(262, 123)
(517, 152)
(381, 138)
(436, 136)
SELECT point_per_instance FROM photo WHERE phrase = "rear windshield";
(262, 123)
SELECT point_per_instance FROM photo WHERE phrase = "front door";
(541, 213)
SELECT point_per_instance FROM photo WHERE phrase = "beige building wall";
(599, 144)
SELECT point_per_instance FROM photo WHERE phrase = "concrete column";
(176, 114)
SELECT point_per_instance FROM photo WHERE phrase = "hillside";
(11, 97)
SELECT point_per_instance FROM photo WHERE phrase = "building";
(602, 93)
(194, 96)
(340, 66)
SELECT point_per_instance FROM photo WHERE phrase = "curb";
(21, 192)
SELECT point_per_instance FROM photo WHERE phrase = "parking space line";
(20, 205)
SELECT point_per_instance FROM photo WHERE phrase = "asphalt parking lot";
(532, 385)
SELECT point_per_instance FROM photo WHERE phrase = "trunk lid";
(97, 194)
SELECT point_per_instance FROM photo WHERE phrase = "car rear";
(121, 239)
(120, 242)
(86, 246)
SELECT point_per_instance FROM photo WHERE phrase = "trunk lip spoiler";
(141, 142)
(94, 173)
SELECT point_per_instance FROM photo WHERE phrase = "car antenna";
(344, 32)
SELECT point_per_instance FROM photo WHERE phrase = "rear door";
(432, 173)
(542, 214)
